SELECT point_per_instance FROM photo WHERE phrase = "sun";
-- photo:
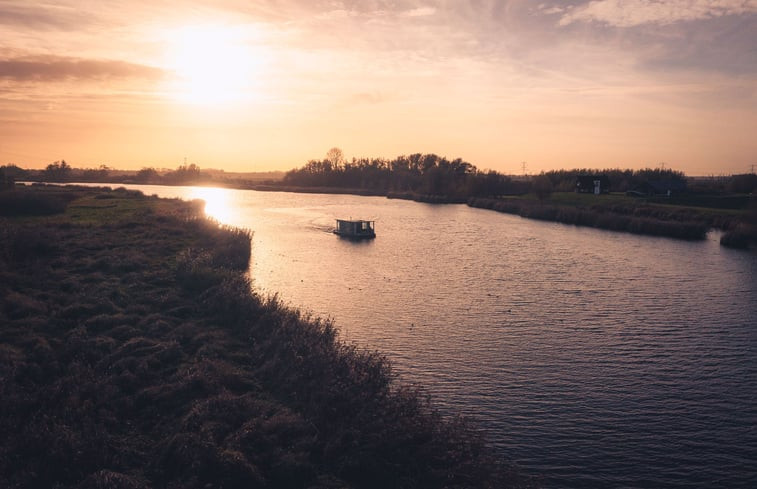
(211, 65)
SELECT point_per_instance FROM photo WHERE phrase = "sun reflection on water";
(217, 203)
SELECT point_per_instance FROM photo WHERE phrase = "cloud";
(419, 12)
(630, 13)
(551, 10)
(337, 14)
(50, 17)
(56, 68)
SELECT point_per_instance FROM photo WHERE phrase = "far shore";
(656, 216)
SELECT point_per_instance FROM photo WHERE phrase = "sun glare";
(212, 65)
(217, 203)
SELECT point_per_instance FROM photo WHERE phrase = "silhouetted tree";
(743, 184)
(184, 174)
(427, 174)
(58, 171)
(489, 184)
(147, 175)
(336, 157)
(542, 186)
(9, 174)
(6, 180)
(99, 174)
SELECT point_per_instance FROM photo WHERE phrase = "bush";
(25, 243)
(26, 203)
(742, 235)
(195, 272)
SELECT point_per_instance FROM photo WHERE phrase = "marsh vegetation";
(134, 354)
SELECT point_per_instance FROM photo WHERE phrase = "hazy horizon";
(267, 85)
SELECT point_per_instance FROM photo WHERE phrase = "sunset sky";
(264, 85)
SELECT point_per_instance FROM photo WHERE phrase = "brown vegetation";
(133, 355)
(634, 219)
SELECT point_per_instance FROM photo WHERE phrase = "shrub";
(195, 272)
(31, 202)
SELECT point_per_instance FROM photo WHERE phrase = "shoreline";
(137, 355)
(641, 218)
(633, 216)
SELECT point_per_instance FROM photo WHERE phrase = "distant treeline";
(458, 180)
(187, 174)
(620, 180)
(60, 171)
(427, 174)
(433, 177)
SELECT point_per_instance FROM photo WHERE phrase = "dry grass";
(639, 219)
(133, 354)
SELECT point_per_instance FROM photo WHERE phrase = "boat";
(356, 229)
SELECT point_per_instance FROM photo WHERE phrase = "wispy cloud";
(55, 68)
(50, 16)
(629, 13)
(419, 12)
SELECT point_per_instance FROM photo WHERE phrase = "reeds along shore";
(133, 354)
(634, 220)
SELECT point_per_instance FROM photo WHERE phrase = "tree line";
(431, 174)
(415, 174)
(428, 174)
(62, 172)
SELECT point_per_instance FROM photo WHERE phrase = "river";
(590, 358)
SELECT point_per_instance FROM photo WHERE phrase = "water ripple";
(591, 358)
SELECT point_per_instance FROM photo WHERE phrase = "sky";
(246, 85)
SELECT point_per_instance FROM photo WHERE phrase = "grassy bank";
(615, 213)
(134, 355)
(681, 219)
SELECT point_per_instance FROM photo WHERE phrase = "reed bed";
(134, 354)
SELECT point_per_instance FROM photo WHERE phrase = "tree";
(184, 174)
(6, 179)
(12, 173)
(335, 156)
(489, 184)
(58, 171)
(743, 184)
(147, 175)
(542, 186)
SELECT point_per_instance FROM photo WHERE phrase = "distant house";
(593, 184)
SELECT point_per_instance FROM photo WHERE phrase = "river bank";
(679, 218)
(645, 216)
(687, 216)
(134, 355)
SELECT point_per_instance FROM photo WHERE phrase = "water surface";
(591, 358)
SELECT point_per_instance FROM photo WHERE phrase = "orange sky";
(268, 85)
